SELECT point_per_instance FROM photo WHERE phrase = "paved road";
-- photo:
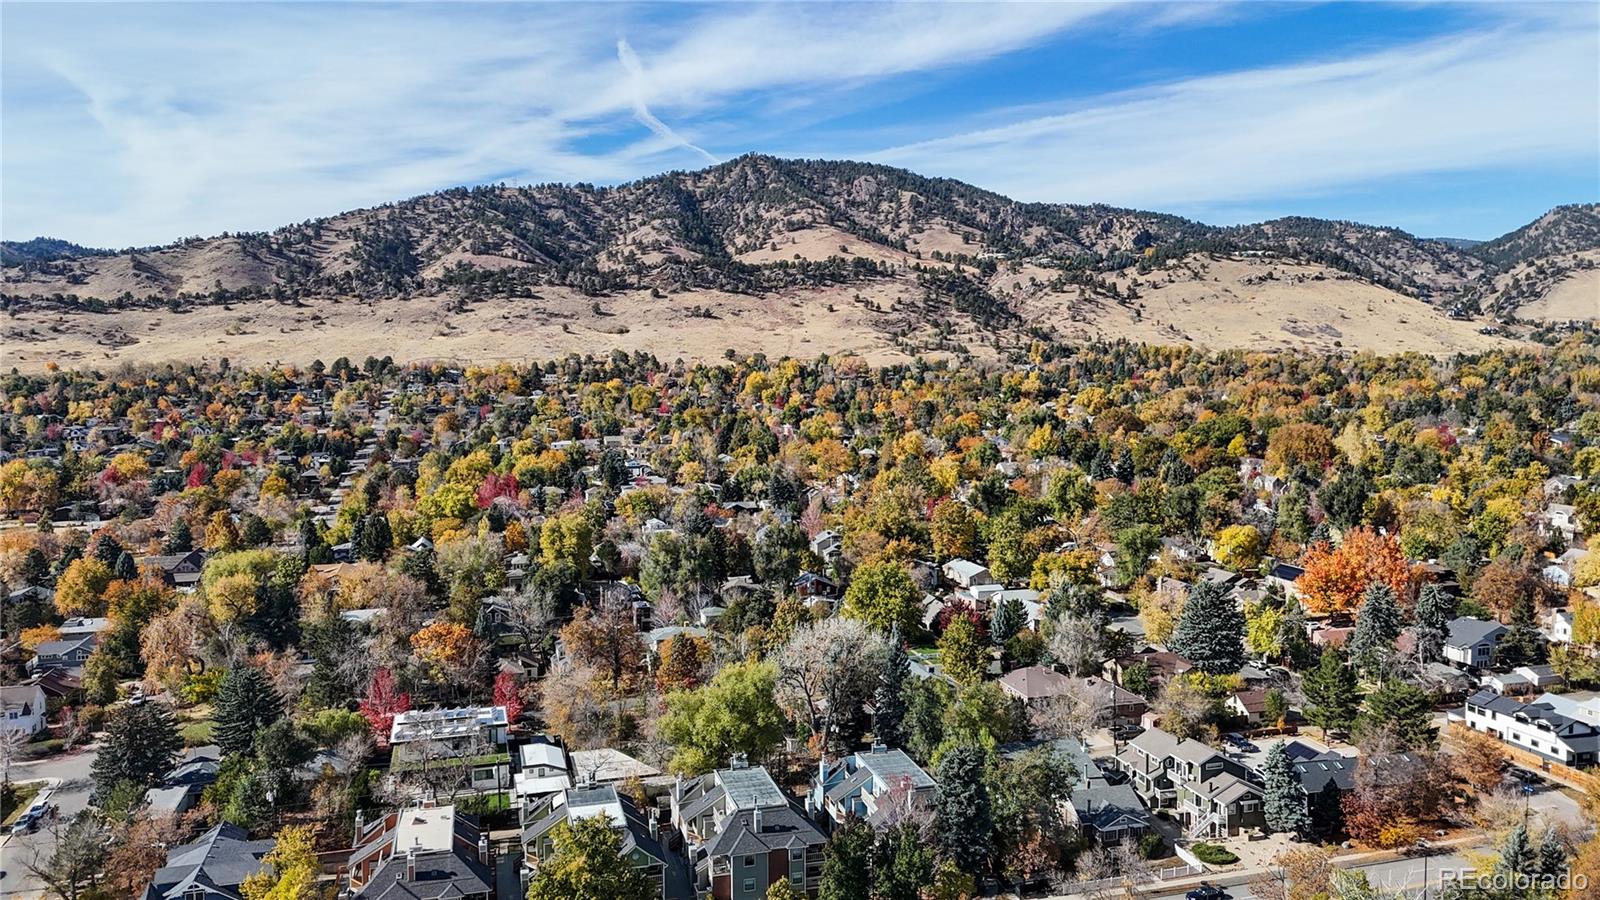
(71, 795)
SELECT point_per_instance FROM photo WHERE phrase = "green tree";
(1435, 608)
(847, 863)
(1009, 618)
(903, 863)
(964, 822)
(963, 653)
(246, 703)
(1283, 803)
(882, 595)
(889, 700)
(588, 865)
(140, 746)
(1331, 693)
(735, 713)
(1210, 631)
(1377, 626)
(1403, 711)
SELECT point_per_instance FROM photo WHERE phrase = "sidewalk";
(1237, 877)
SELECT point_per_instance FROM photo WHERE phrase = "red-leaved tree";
(508, 693)
(383, 702)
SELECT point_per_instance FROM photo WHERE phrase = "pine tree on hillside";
(246, 702)
(1331, 693)
(1377, 627)
(889, 701)
(1435, 609)
(1210, 631)
(1284, 805)
(965, 817)
(140, 745)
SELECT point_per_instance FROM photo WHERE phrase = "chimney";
(483, 849)
(411, 864)
(755, 820)
(739, 761)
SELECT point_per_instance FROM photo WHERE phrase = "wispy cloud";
(140, 123)
(641, 110)
(1503, 96)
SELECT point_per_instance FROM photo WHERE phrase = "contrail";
(641, 111)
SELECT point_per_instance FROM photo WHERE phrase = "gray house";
(211, 868)
(1472, 642)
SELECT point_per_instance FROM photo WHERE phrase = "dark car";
(1207, 892)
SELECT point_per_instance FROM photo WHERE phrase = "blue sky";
(132, 124)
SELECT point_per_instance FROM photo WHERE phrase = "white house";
(1558, 627)
(1534, 727)
(22, 708)
(470, 735)
(967, 574)
(827, 544)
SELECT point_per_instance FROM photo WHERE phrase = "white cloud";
(1508, 96)
(139, 124)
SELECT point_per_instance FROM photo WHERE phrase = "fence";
(1578, 779)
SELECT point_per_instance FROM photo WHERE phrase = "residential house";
(210, 868)
(22, 708)
(827, 545)
(607, 766)
(543, 770)
(965, 573)
(425, 852)
(1562, 519)
(868, 785)
(1164, 665)
(1523, 680)
(1248, 706)
(1102, 812)
(1558, 627)
(1037, 685)
(744, 835)
(641, 843)
(1208, 792)
(66, 654)
(1283, 576)
(814, 585)
(181, 570)
(1472, 642)
(470, 736)
(1534, 727)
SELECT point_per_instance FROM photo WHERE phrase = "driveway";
(70, 773)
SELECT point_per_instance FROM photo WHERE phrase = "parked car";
(1207, 892)
(1240, 743)
(1526, 777)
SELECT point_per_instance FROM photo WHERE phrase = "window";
(749, 885)
(749, 861)
(797, 854)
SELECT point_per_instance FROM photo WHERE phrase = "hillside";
(924, 264)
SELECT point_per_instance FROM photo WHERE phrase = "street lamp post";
(1423, 848)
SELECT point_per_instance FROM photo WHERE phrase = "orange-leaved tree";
(1335, 579)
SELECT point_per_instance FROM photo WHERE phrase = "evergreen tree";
(1331, 693)
(1284, 805)
(965, 818)
(246, 703)
(1404, 711)
(179, 539)
(375, 539)
(140, 745)
(108, 549)
(1523, 643)
(1518, 855)
(847, 863)
(889, 700)
(1210, 631)
(1377, 626)
(1008, 619)
(125, 568)
(1327, 814)
(1435, 609)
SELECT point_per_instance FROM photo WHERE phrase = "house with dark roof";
(1472, 642)
(744, 834)
(1208, 792)
(868, 785)
(1103, 812)
(67, 654)
(639, 831)
(425, 852)
(1533, 727)
(181, 570)
(211, 868)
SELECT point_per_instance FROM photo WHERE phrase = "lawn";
(194, 724)
(17, 798)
